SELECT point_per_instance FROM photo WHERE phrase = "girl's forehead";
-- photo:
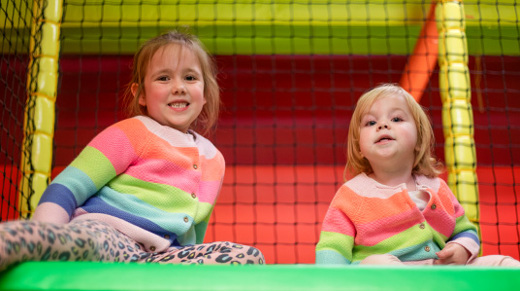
(172, 50)
(174, 55)
(387, 101)
(392, 100)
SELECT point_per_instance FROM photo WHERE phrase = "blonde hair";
(424, 164)
(207, 119)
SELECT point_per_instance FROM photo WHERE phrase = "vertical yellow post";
(42, 82)
(457, 113)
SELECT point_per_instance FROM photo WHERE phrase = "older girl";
(143, 189)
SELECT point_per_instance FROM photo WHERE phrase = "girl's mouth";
(384, 138)
(179, 104)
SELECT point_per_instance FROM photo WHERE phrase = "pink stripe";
(440, 220)
(164, 172)
(120, 153)
(336, 221)
(370, 234)
(209, 190)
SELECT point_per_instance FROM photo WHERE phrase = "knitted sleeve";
(465, 232)
(106, 156)
(337, 234)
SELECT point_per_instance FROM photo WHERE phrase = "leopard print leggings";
(89, 240)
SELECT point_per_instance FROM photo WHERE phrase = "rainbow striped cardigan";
(367, 218)
(152, 182)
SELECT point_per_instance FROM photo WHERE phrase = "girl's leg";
(384, 259)
(495, 260)
(221, 252)
(81, 240)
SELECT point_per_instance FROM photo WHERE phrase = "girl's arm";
(335, 246)
(106, 156)
(337, 234)
(465, 232)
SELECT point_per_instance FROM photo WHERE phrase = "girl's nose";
(179, 88)
(383, 126)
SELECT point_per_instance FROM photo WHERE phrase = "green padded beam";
(376, 27)
(113, 276)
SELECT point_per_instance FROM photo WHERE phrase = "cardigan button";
(152, 248)
(422, 226)
(193, 195)
(186, 219)
(195, 166)
(427, 248)
(434, 206)
(167, 236)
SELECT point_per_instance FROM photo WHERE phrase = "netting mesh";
(16, 19)
(290, 72)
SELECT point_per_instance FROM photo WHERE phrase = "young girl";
(396, 210)
(143, 189)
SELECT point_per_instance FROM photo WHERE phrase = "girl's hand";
(452, 254)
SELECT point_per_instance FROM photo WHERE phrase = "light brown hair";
(207, 119)
(424, 164)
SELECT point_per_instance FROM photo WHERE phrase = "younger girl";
(143, 189)
(396, 210)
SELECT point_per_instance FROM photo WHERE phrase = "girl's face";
(173, 87)
(388, 134)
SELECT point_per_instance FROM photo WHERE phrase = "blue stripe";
(61, 195)
(330, 257)
(417, 252)
(469, 234)
(97, 205)
(171, 221)
(79, 183)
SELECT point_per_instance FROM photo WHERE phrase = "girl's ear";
(135, 88)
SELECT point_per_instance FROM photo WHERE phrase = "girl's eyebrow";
(193, 71)
(397, 109)
(365, 116)
(159, 72)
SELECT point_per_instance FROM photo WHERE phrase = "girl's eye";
(163, 78)
(370, 123)
(190, 78)
(397, 119)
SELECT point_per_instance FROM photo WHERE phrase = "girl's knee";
(495, 260)
(384, 259)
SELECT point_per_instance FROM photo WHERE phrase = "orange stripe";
(133, 130)
(213, 168)
(373, 208)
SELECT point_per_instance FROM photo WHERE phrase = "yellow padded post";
(457, 113)
(42, 83)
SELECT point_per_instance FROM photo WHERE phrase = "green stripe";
(337, 242)
(96, 165)
(164, 197)
(403, 240)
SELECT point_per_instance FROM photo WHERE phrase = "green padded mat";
(111, 276)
